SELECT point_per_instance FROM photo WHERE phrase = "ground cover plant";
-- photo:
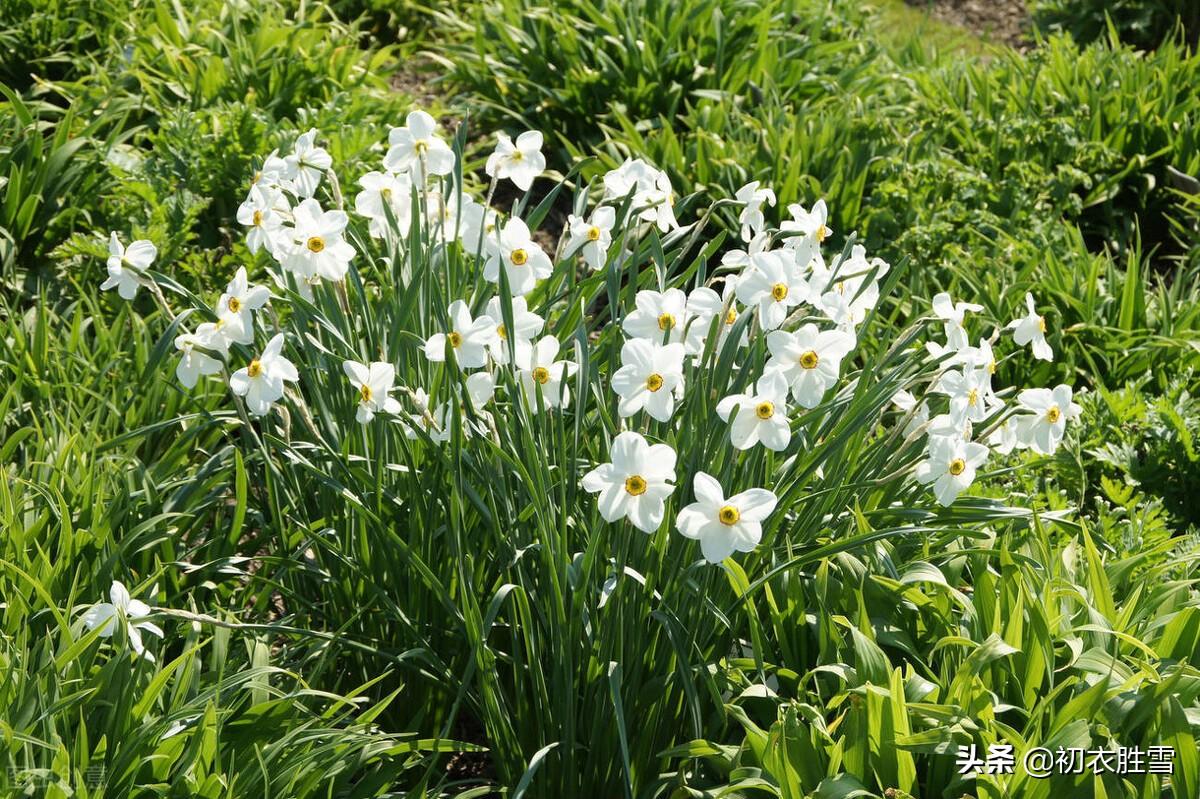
(737, 400)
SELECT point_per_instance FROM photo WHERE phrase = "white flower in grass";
(1044, 416)
(127, 265)
(774, 284)
(918, 413)
(272, 176)
(650, 378)
(761, 416)
(261, 381)
(810, 360)
(441, 216)
(480, 388)
(193, 362)
(520, 162)
(317, 247)
(658, 316)
(1031, 330)
(953, 313)
(751, 218)
(478, 225)
(808, 223)
(948, 425)
(1004, 438)
(422, 419)
(122, 609)
(409, 146)
(701, 305)
(521, 258)
(261, 213)
(374, 384)
(950, 466)
(538, 371)
(852, 288)
(592, 237)
(236, 306)
(307, 164)
(468, 337)
(970, 392)
(724, 526)
(383, 192)
(526, 325)
(635, 484)
(653, 198)
(759, 244)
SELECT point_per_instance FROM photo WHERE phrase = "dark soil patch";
(996, 21)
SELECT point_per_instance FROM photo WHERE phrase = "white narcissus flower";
(953, 313)
(849, 297)
(373, 383)
(705, 304)
(538, 371)
(653, 197)
(658, 316)
(734, 258)
(261, 213)
(808, 223)
(762, 415)
(126, 265)
(650, 378)
(418, 142)
(261, 382)
(1031, 329)
(774, 284)
(1044, 416)
(526, 325)
(724, 526)
(477, 228)
(236, 306)
(521, 258)
(950, 466)
(468, 337)
(810, 360)
(317, 247)
(481, 387)
(272, 175)
(918, 412)
(122, 609)
(307, 164)
(751, 218)
(969, 391)
(383, 192)
(193, 363)
(591, 238)
(520, 162)
(635, 484)
(1004, 438)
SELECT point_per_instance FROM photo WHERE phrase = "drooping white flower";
(591, 238)
(1004, 438)
(477, 226)
(724, 526)
(261, 381)
(653, 198)
(741, 258)
(122, 609)
(272, 176)
(418, 143)
(918, 412)
(526, 325)
(751, 218)
(705, 304)
(374, 384)
(774, 284)
(236, 306)
(520, 162)
(1043, 417)
(950, 466)
(468, 337)
(307, 164)
(480, 388)
(1031, 329)
(538, 371)
(520, 256)
(635, 484)
(953, 314)
(650, 378)
(127, 265)
(810, 360)
(193, 363)
(851, 288)
(970, 392)
(317, 247)
(383, 193)
(261, 212)
(761, 415)
(808, 223)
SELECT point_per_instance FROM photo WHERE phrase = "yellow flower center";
(654, 382)
(593, 233)
(364, 391)
(809, 360)
(764, 410)
(500, 331)
(728, 515)
(420, 146)
(992, 367)
(257, 218)
(254, 369)
(234, 305)
(957, 466)
(779, 292)
(517, 156)
(822, 232)
(731, 317)
(386, 193)
(541, 374)
(972, 397)
(635, 484)
(316, 244)
(666, 321)
(257, 177)
(1054, 414)
(1042, 324)
(519, 257)
(455, 339)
